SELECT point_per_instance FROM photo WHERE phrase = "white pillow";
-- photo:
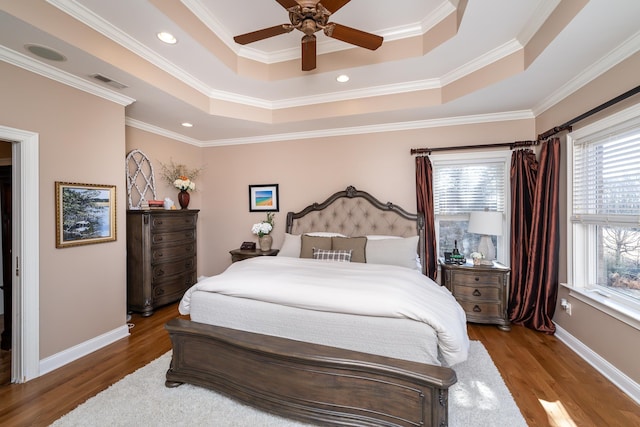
(325, 234)
(381, 237)
(291, 246)
(401, 252)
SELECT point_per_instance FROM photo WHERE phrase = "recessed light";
(342, 78)
(187, 125)
(167, 37)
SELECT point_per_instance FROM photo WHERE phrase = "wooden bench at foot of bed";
(308, 382)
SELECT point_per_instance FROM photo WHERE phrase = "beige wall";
(81, 139)
(613, 340)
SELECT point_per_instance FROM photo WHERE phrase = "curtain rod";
(566, 126)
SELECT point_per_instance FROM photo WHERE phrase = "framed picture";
(263, 198)
(85, 214)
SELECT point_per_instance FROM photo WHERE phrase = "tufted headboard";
(357, 213)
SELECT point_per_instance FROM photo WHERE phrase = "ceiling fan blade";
(333, 5)
(353, 36)
(265, 33)
(308, 53)
(288, 4)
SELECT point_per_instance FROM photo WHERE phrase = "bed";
(323, 351)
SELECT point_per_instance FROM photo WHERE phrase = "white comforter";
(342, 287)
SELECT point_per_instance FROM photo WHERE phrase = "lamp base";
(486, 247)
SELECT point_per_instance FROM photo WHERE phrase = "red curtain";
(424, 199)
(534, 281)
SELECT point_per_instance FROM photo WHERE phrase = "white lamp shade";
(485, 222)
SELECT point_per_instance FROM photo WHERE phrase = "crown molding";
(629, 47)
(161, 132)
(387, 127)
(30, 64)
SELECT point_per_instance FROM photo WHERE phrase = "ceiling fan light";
(168, 38)
(342, 78)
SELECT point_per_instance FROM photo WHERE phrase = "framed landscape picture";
(263, 198)
(85, 214)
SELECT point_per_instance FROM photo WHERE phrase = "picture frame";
(264, 198)
(85, 214)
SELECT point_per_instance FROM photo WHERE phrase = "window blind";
(462, 188)
(606, 178)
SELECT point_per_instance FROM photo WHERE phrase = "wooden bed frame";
(309, 382)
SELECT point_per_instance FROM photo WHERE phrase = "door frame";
(25, 342)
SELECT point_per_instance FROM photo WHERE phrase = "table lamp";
(486, 223)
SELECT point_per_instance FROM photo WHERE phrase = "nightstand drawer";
(471, 278)
(478, 310)
(477, 293)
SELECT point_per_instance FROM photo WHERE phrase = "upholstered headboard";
(357, 213)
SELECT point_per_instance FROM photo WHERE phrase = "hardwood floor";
(551, 385)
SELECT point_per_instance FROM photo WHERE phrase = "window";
(604, 207)
(468, 182)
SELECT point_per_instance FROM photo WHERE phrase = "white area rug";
(479, 398)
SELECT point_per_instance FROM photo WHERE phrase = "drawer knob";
(477, 279)
(477, 309)
(160, 272)
(159, 291)
(476, 293)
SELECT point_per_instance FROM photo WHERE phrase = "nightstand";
(242, 254)
(481, 290)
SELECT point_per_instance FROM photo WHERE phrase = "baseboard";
(69, 355)
(613, 374)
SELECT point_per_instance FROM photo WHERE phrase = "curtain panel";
(534, 281)
(424, 199)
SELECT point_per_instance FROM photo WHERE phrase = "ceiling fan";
(311, 16)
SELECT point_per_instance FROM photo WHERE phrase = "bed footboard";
(308, 382)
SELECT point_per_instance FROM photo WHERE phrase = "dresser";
(481, 290)
(161, 257)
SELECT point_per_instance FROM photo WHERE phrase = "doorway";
(25, 258)
(6, 318)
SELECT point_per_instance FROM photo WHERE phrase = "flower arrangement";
(477, 257)
(263, 228)
(183, 183)
(179, 175)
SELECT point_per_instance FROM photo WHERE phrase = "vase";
(265, 242)
(183, 199)
(477, 261)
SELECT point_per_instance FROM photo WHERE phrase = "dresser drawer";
(172, 290)
(477, 293)
(480, 310)
(471, 278)
(173, 237)
(168, 269)
(172, 223)
(165, 253)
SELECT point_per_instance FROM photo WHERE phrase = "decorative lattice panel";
(141, 184)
